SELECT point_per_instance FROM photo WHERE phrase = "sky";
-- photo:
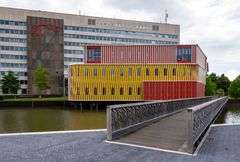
(212, 24)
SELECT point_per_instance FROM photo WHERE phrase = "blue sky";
(213, 24)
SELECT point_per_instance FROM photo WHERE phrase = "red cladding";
(172, 90)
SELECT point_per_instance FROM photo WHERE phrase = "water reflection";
(230, 115)
(49, 119)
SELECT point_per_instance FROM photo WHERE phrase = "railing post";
(109, 123)
(190, 132)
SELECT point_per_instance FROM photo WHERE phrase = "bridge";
(177, 125)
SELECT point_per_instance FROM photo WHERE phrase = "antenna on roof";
(166, 16)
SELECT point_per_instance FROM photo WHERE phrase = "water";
(230, 115)
(14, 120)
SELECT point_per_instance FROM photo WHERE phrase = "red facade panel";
(148, 54)
(172, 90)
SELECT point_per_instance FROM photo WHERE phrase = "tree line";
(222, 85)
(215, 84)
(10, 83)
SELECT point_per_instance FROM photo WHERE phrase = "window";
(184, 72)
(121, 71)
(112, 72)
(86, 91)
(174, 71)
(78, 72)
(24, 91)
(91, 22)
(103, 72)
(184, 54)
(139, 71)
(156, 72)
(121, 91)
(95, 71)
(104, 91)
(190, 71)
(130, 91)
(165, 71)
(112, 91)
(78, 91)
(155, 28)
(86, 72)
(139, 91)
(147, 72)
(130, 72)
(95, 91)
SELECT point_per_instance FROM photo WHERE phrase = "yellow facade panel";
(122, 82)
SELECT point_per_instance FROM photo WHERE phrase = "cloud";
(232, 74)
(213, 24)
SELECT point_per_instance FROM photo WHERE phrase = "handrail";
(126, 118)
(200, 117)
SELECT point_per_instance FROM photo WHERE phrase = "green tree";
(213, 77)
(223, 83)
(220, 92)
(10, 84)
(234, 88)
(41, 78)
(211, 87)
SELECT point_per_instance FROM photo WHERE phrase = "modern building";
(30, 38)
(136, 73)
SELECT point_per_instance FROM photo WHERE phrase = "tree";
(223, 83)
(234, 88)
(41, 78)
(213, 77)
(220, 92)
(10, 84)
(210, 88)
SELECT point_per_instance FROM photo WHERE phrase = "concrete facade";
(79, 31)
(45, 49)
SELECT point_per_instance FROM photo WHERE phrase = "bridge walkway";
(168, 133)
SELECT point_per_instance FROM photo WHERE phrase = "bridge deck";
(221, 145)
(168, 133)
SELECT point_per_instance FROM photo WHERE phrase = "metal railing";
(200, 117)
(126, 118)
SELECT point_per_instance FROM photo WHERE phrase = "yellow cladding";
(97, 82)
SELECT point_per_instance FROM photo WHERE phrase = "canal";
(229, 115)
(14, 120)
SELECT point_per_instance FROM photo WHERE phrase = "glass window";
(139, 91)
(147, 72)
(78, 91)
(95, 91)
(156, 72)
(121, 91)
(86, 91)
(95, 72)
(139, 71)
(174, 71)
(103, 72)
(130, 91)
(78, 72)
(112, 72)
(165, 71)
(86, 72)
(104, 91)
(121, 71)
(112, 91)
(130, 72)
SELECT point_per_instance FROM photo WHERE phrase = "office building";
(30, 38)
(139, 72)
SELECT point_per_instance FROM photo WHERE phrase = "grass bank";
(37, 99)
